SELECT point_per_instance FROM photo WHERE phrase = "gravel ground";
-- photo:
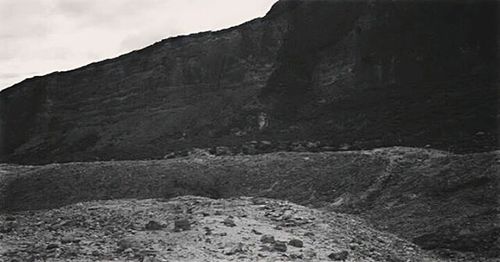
(196, 229)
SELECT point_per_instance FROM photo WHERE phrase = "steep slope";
(367, 74)
(136, 105)
(436, 199)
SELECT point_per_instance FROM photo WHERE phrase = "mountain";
(359, 73)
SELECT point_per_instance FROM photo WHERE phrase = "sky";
(38, 37)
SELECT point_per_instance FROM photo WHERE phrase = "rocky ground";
(197, 229)
(442, 202)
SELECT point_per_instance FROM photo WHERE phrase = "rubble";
(129, 230)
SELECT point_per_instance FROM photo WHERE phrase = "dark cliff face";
(367, 74)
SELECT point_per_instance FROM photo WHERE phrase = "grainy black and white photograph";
(249, 130)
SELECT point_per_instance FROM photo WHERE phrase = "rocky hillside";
(366, 74)
(435, 199)
(198, 229)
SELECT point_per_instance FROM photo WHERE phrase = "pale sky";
(38, 37)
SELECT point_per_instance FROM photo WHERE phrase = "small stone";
(265, 247)
(170, 155)
(279, 246)
(71, 251)
(309, 234)
(153, 225)
(310, 253)
(296, 256)
(256, 232)
(148, 252)
(236, 249)
(69, 239)
(127, 243)
(394, 258)
(267, 239)
(287, 215)
(267, 143)
(296, 243)
(229, 222)
(259, 201)
(182, 225)
(337, 256)
(208, 231)
(149, 259)
(52, 246)
(5, 229)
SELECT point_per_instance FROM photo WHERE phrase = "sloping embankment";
(436, 199)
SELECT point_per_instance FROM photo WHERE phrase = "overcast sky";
(41, 36)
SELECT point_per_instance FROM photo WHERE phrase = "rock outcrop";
(367, 74)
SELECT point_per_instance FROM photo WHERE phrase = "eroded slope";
(437, 199)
